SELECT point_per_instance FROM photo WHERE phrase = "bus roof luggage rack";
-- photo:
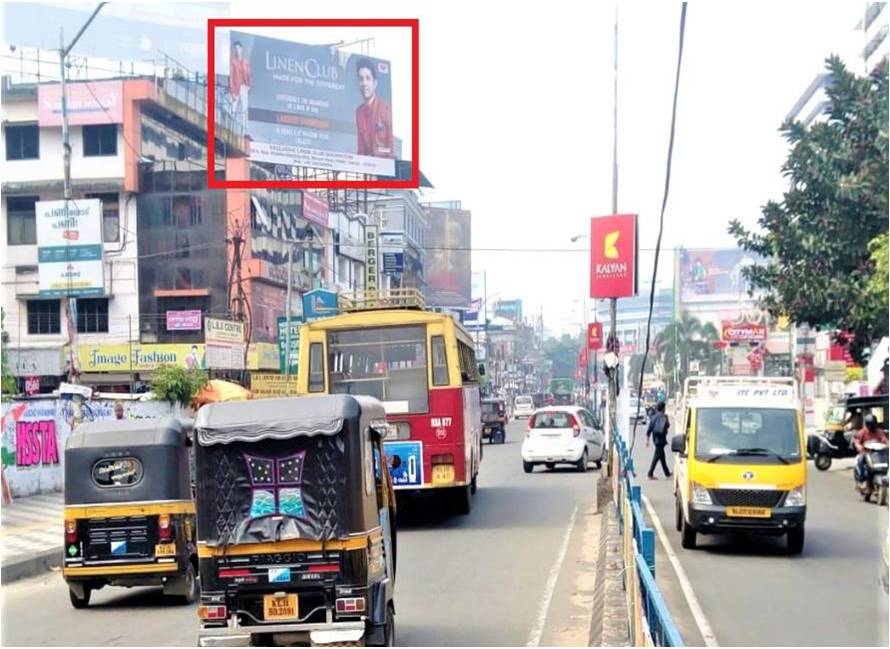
(397, 298)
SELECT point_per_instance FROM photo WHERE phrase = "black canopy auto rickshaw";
(296, 522)
(843, 423)
(129, 513)
(494, 420)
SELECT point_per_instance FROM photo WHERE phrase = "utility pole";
(66, 183)
(613, 302)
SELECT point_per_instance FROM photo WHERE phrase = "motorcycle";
(875, 479)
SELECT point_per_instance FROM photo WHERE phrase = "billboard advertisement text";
(69, 248)
(613, 256)
(312, 105)
(714, 275)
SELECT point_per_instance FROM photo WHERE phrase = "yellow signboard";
(271, 385)
(262, 356)
(136, 357)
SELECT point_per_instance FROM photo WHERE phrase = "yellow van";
(740, 460)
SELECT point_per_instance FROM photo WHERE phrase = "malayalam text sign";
(69, 248)
(613, 256)
(184, 320)
(89, 102)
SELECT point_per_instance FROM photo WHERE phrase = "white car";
(562, 435)
(523, 406)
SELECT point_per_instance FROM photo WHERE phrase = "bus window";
(388, 363)
(468, 369)
(440, 366)
(316, 367)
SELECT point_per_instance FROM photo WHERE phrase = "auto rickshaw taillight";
(217, 612)
(351, 605)
(165, 530)
(70, 531)
(445, 458)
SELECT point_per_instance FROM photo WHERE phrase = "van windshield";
(751, 435)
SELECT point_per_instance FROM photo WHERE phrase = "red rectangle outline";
(412, 183)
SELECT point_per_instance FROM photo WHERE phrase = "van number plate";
(749, 512)
(280, 608)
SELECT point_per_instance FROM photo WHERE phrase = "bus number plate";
(443, 474)
(165, 549)
(280, 608)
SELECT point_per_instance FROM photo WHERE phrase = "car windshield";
(770, 433)
(553, 420)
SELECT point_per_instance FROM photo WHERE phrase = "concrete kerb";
(31, 566)
(610, 626)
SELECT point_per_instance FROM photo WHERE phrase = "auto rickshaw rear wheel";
(822, 461)
(80, 602)
(191, 580)
(390, 626)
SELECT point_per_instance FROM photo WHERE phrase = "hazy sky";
(516, 120)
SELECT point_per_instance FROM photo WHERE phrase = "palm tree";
(687, 339)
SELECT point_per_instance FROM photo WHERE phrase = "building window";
(44, 317)
(92, 315)
(22, 142)
(21, 220)
(100, 140)
(111, 231)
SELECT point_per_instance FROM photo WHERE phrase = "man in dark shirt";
(658, 430)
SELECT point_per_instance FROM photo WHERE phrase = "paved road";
(480, 579)
(753, 594)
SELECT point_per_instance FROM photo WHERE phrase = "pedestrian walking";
(658, 431)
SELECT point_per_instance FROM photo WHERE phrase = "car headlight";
(700, 495)
(797, 497)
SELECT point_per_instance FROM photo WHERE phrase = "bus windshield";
(384, 362)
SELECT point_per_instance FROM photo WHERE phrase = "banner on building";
(613, 256)
(316, 210)
(136, 357)
(372, 256)
(89, 102)
(743, 332)
(449, 269)
(319, 303)
(184, 320)
(272, 385)
(714, 275)
(69, 248)
(222, 332)
(295, 323)
(312, 105)
(225, 357)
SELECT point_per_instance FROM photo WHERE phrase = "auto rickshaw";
(843, 423)
(129, 514)
(494, 420)
(296, 522)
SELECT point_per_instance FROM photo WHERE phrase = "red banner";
(743, 332)
(595, 335)
(613, 256)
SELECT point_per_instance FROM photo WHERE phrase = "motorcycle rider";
(869, 433)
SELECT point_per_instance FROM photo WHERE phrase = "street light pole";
(613, 302)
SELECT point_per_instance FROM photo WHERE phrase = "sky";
(516, 122)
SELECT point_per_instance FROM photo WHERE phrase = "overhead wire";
(664, 200)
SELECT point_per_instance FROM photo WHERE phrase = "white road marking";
(698, 614)
(534, 637)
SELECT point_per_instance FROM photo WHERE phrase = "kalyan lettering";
(35, 443)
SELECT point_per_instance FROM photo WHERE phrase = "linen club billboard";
(613, 256)
(311, 105)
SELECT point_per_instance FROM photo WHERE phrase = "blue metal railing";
(650, 619)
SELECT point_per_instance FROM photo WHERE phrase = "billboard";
(510, 309)
(311, 105)
(448, 270)
(69, 248)
(743, 332)
(90, 102)
(184, 320)
(594, 335)
(613, 256)
(714, 275)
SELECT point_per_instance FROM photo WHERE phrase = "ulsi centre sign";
(613, 256)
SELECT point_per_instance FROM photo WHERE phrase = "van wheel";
(598, 464)
(678, 515)
(528, 467)
(80, 602)
(581, 466)
(687, 535)
(822, 462)
(795, 540)
(390, 629)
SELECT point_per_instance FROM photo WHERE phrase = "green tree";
(9, 387)
(563, 352)
(687, 339)
(177, 384)
(821, 268)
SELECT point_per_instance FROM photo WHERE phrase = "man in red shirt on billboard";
(240, 81)
(373, 118)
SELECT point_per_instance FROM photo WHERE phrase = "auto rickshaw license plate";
(443, 473)
(280, 608)
(165, 549)
(749, 512)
